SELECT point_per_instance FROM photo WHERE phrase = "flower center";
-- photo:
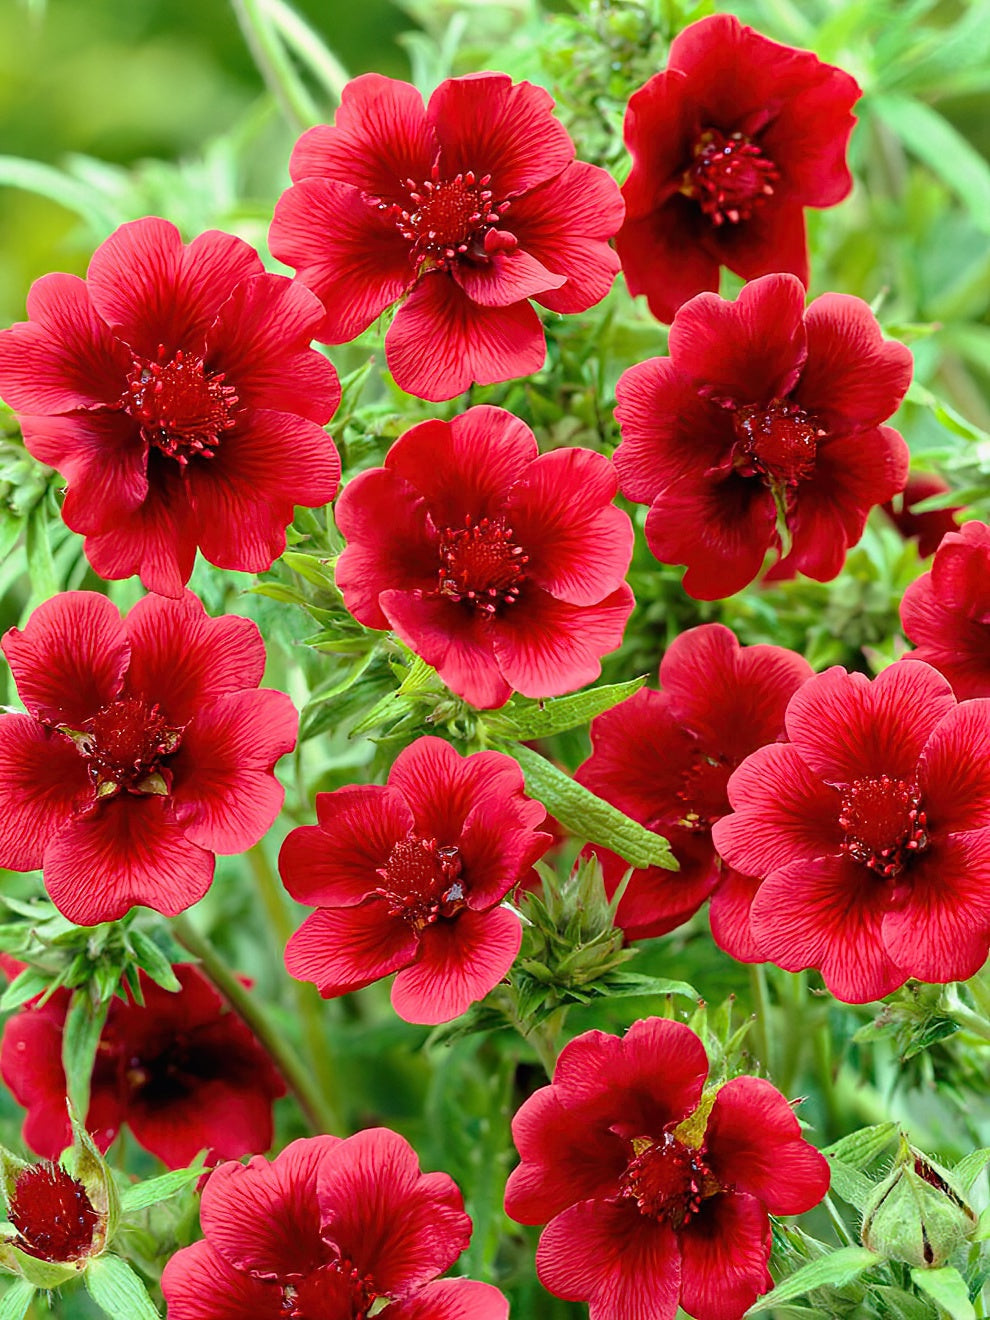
(884, 824)
(335, 1290)
(52, 1214)
(126, 746)
(666, 1179)
(703, 792)
(445, 219)
(481, 565)
(421, 881)
(183, 409)
(776, 441)
(728, 177)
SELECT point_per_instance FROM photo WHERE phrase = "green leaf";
(854, 1187)
(118, 1291)
(26, 986)
(967, 1170)
(834, 1270)
(150, 1192)
(539, 719)
(16, 1300)
(947, 1287)
(41, 566)
(84, 1024)
(588, 816)
(150, 959)
(861, 1148)
(620, 984)
(46, 181)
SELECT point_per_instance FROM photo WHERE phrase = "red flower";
(946, 612)
(175, 390)
(409, 878)
(183, 1072)
(927, 528)
(466, 209)
(657, 1192)
(54, 1217)
(762, 426)
(870, 831)
(502, 567)
(664, 758)
(729, 146)
(326, 1231)
(145, 750)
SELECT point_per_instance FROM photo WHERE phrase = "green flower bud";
(916, 1215)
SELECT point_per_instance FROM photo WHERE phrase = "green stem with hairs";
(275, 64)
(316, 1108)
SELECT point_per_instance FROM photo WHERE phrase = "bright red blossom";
(184, 1074)
(146, 748)
(328, 1231)
(870, 832)
(729, 145)
(409, 878)
(664, 758)
(946, 611)
(500, 566)
(465, 210)
(176, 391)
(657, 1192)
(762, 427)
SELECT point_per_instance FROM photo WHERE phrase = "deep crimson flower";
(146, 749)
(927, 528)
(656, 1195)
(729, 145)
(175, 389)
(183, 1072)
(664, 758)
(466, 209)
(870, 831)
(408, 878)
(762, 426)
(328, 1231)
(946, 612)
(500, 566)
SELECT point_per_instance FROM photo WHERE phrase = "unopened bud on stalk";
(916, 1215)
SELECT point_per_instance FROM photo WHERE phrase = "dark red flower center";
(53, 1214)
(445, 219)
(481, 565)
(667, 1179)
(776, 441)
(126, 746)
(703, 791)
(884, 824)
(334, 1292)
(421, 881)
(729, 176)
(183, 409)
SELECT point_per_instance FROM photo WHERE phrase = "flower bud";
(916, 1215)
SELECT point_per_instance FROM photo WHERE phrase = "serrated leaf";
(633, 983)
(539, 719)
(587, 816)
(854, 1187)
(835, 1270)
(966, 1171)
(16, 1300)
(118, 1291)
(83, 1027)
(153, 1190)
(151, 960)
(861, 1148)
(947, 1287)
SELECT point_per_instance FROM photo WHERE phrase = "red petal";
(828, 913)
(182, 659)
(486, 123)
(66, 356)
(451, 1299)
(724, 1254)
(729, 912)
(458, 645)
(343, 949)
(104, 460)
(70, 658)
(43, 783)
(624, 1264)
(494, 855)
(396, 1224)
(954, 771)
(336, 240)
(154, 291)
(847, 728)
(771, 242)
(664, 256)
(224, 793)
(227, 1117)
(459, 960)
(956, 646)
(754, 1145)
(440, 341)
(546, 647)
(659, 129)
(260, 340)
(656, 901)
(579, 545)
(128, 852)
(505, 278)
(959, 574)
(335, 863)
(199, 1285)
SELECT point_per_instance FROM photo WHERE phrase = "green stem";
(838, 1223)
(316, 1108)
(761, 1006)
(309, 47)
(275, 65)
(971, 1022)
